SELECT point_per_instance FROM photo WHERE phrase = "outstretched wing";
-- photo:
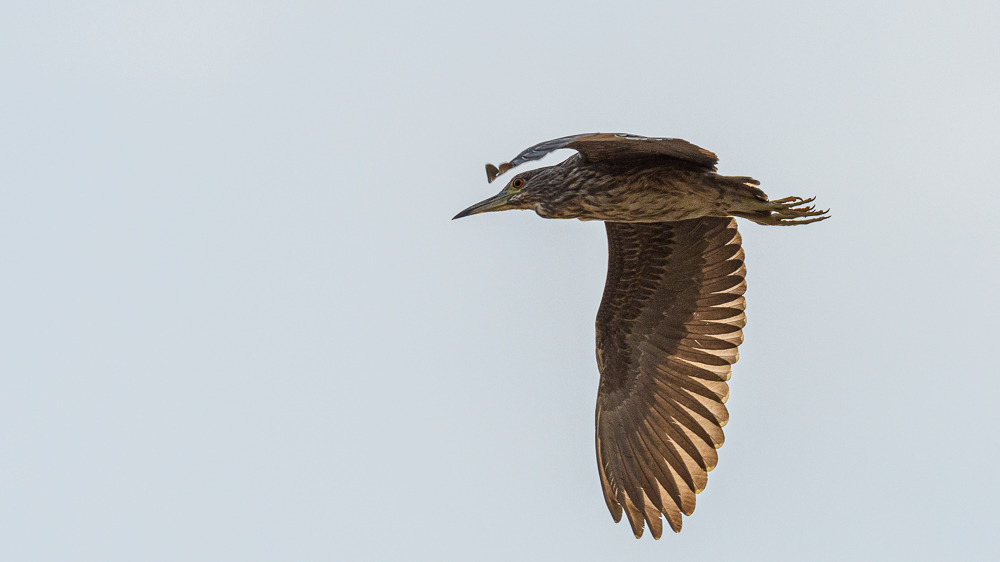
(667, 334)
(614, 146)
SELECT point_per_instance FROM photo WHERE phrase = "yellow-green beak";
(499, 202)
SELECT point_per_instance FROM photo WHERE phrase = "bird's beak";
(499, 202)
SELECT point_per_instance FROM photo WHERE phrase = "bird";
(672, 314)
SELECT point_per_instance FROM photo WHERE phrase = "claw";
(790, 202)
(792, 211)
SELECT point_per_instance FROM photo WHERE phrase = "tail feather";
(740, 187)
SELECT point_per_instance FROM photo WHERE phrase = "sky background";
(237, 323)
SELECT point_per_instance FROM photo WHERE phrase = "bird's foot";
(791, 211)
(789, 202)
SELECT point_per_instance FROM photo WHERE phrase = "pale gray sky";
(238, 324)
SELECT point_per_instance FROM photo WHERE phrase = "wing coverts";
(615, 147)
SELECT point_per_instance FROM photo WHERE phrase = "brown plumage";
(672, 315)
(667, 332)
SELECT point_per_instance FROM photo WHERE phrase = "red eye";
(517, 183)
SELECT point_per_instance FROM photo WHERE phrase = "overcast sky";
(236, 322)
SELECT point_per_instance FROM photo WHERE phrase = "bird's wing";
(667, 334)
(617, 147)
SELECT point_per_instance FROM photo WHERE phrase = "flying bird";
(672, 315)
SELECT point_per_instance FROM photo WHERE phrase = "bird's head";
(524, 191)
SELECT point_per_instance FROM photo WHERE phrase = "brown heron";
(672, 314)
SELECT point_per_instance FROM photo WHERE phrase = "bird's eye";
(517, 183)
